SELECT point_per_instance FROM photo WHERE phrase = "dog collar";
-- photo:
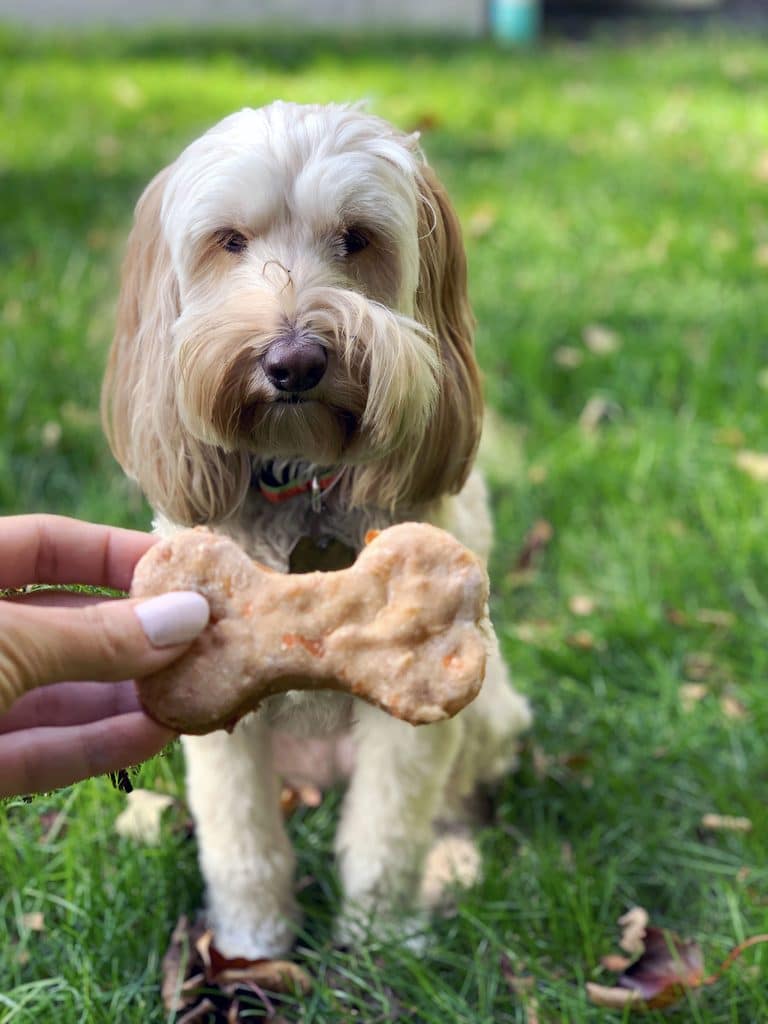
(289, 481)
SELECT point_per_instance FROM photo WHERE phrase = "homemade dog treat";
(403, 628)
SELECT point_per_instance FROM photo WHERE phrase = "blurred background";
(609, 163)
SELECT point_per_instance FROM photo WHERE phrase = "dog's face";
(295, 287)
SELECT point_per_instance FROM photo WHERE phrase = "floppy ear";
(187, 480)
(442, 304)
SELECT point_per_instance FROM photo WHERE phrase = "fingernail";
(175, 618)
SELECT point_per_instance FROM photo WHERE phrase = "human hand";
(72, 727)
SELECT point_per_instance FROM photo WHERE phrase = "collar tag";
(279, 488)
(316, 496)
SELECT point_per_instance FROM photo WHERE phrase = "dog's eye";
(353, 241)
(232, 241)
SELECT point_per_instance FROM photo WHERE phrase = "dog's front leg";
(245, 855)
(395, 793)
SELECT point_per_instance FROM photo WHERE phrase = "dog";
(293, 365)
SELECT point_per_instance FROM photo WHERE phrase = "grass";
(622, 186)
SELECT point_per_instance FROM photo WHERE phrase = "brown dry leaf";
(582, 604)
(140, 820)
(524, 987)
(667, 967)
(692, 694)
(304, 795)
(601, 340)
(534, 542)
(567, 357)
(733, 708)
(615, 962)
(582, 640)
(633, 925)
(611, 998)
(699, 665)
(754, 464)
(198, 980)
(597, 411)
(34, 921)
(677, 617)
(537, 633)
(715, 617)
(725, 823)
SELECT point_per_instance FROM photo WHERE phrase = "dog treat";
(403, 628)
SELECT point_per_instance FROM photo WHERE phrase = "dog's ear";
(442, 304)
(187, 480)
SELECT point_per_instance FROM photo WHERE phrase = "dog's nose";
(294, 364)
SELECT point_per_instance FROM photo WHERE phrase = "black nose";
(294, 364)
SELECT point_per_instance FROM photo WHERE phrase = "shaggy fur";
(322, 225)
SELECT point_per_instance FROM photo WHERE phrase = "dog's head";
(294, 288)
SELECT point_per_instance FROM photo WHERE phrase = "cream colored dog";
(293, 365)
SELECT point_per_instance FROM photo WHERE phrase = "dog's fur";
(324, 224)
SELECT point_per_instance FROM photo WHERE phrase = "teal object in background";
(514, 21)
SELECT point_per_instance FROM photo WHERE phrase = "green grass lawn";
(615, 201)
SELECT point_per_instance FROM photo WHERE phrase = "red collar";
(278, 488)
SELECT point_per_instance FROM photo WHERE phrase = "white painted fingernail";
(175, 618)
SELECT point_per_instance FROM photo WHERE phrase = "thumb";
(109, 640)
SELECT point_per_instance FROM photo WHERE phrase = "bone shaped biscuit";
(404, 628)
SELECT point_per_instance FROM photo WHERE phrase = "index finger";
(55, 549)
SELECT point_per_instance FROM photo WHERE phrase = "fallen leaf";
(197, 979)
(692, 694)
(597, 411)
(582, 604)
(612, 998)
(667, 967)
(715, 617)
(615, 962)
(582, 640)
(725, 823)
(524, 987)
(50, 434)
(733, 708)
(699, 665)
(140, 820)
(601, 340)
(634, 925)
(754, 464)
(304, 795)
(534, 542)
(568, 357)
(34, 921)
(666, 970)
